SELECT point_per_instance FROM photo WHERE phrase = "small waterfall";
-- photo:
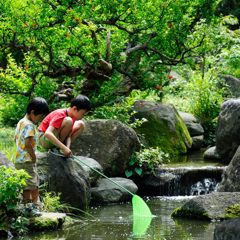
(204, 186)
(182, 181)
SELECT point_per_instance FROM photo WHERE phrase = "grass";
(7, 144)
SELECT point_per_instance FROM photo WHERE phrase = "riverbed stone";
(47, 221)
(227, 134)
(197, 142)
(193, 125)
(208, 207)
(164, 127)
(65, 176)
(233, 84)
(228, 229)
(211, 153)
(231, 177)
(107, 192)
(110, 142)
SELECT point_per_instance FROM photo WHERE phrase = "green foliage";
(7, 145)
(146, 160)
(11, 184)
(51, 202)
(205, 102)
(66, 39)
(233, 211)
(19, 225)
(122, 110)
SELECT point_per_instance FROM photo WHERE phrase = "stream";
(115, 222)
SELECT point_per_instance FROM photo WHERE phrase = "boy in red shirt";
(62, 126)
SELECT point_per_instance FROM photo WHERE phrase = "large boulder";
(164, 127)
(5, 161)
(65, 176)
(110, 142)
(231, 177)
(195, 129)
(107, 192)
(233, 84)
(228, 229)
(227, 135)
(208, 207)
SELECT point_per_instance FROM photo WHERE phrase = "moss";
(183, 131)
(183, 212)
(232, 211)
(158, 133)
(42, 223)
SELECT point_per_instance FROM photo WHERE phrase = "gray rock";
(164, 127)
(211, 153)
(188, 117)
(209, 207)
(197, 142)
(228, 230)
(65, 176)
(231, 177)
(91, 167)
(193, 125)
(109, 142)
(107, 192)
(227, 135)
(234, 84)
(47, 221)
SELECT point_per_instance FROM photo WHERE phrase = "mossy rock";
(47, 221)
(213, 206)
(232, 211)
(164, 128)
(198, 213)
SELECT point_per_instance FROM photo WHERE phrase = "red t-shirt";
(54, 119)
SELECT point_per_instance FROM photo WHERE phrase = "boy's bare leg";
(35, 195)
(26, 196)
(78, 129)
(66, 129)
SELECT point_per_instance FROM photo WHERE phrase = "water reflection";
(116, 223)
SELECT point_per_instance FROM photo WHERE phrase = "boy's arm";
(50, 135)
(29, 148)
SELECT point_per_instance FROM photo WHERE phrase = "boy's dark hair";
(38, 105)
(81, 102)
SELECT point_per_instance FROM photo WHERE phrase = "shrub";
(11, 184)
(146, 160)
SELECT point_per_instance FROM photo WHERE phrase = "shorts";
(31, 168)
(45, 142)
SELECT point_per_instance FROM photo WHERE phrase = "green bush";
(7, 145)
(205, 102)
(146, 160)
(122, 110)
(11, 185)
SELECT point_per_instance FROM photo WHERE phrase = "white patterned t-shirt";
(25, 128)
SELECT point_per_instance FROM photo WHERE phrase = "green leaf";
(138, 171)
(128, 173)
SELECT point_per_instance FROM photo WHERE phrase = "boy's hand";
(67, 152)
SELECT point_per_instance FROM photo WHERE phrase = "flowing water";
(115, 222)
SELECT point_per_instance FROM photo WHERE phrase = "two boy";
(62, 126)
(59, 128)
